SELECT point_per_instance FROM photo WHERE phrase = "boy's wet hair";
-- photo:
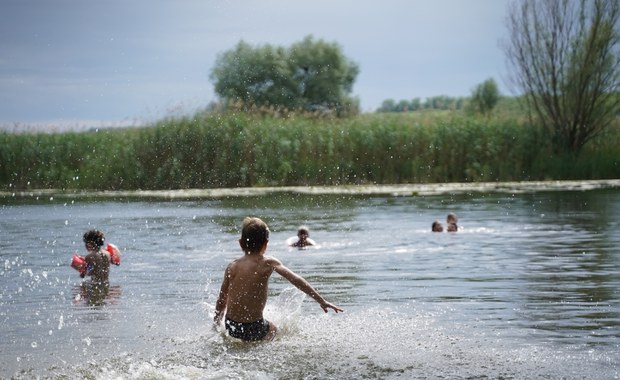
(254, 233)
(436, 226)
(94, 236)
(452, 218)
(303, 230)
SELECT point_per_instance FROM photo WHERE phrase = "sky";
(119, 62)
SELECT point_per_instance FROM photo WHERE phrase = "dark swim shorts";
(251, 331)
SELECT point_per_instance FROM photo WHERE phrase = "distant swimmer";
(243, 294)
(452, 221)
(97, 262)
(436, 226)
(303, 238)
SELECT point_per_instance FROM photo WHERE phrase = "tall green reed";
(211, 150)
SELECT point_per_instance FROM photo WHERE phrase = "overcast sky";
(81, 61)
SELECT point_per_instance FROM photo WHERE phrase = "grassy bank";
(213, 151)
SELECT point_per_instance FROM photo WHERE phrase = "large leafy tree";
(310, 75)
(324, 76)
(254, 76)
(565, 60)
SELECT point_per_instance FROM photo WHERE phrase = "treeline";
(417, 104)
(510, 106)
(212, 150)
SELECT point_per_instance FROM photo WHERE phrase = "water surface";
(527, 289)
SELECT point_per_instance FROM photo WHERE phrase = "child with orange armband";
(97, 262)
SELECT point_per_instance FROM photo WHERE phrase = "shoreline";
(361, 190)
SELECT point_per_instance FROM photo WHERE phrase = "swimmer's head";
(452, 218)
(437, 227)
(303, 231)
(94, 237)
(254, 234)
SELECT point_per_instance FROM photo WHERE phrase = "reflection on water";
(528, 289)
(96, 296)
(572, 284)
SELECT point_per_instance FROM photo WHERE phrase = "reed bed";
(236, 149)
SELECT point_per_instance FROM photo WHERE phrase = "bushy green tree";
(310, 75)
(254, 76)
(388, 105)
(324, 75)
(484, 97)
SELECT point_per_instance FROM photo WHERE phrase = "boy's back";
(100, 262)
(249, 278)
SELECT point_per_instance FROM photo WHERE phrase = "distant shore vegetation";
(265, 147)
(564, 126)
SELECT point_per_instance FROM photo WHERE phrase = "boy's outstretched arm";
(303, 285)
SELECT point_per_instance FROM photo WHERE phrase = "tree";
(484, 97)
(388, 105)
(324, 76)
(254, 76)
(310, 75)
(565, 58)
(415, 104)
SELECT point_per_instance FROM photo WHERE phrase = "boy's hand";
(327, 305)
(217, 318)
(215, 325)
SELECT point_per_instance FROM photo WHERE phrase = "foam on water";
(366, 343)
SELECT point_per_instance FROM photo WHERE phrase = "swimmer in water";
(452, 221)
(303, 238)
(436, 226)
(243, 294)
(98, 259)
(97, 263)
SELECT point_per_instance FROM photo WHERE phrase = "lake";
(528, 288)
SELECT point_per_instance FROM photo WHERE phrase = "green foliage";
(433, 103)
(484, 97)
(240, 150)
(309, 75)
(255, 76)
(324, 75)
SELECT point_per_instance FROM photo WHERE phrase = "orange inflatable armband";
(79, 264)
(115, 254)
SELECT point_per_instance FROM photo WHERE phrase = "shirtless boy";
(243, 294)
